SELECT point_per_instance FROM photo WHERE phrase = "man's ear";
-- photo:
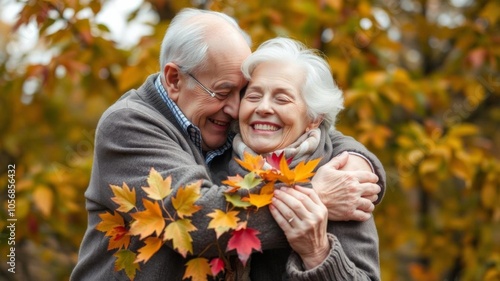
(314, 123)
(171, 80)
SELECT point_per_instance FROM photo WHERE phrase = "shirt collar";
(191, 130)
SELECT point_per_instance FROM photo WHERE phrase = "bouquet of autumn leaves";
(154, 225)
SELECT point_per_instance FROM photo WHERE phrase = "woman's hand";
(303, 218)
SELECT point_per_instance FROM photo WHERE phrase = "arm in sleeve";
(354, 255)
(343, 143)
(129, 143)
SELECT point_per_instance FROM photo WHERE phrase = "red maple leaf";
(244, 240)
(274, 160)
(216, 265)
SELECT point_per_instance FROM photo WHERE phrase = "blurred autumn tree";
(421, 81)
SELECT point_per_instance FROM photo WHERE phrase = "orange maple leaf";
(125, 260)
(185, 198)
(153, 244)
(221, 222)
(198, 269)
(300, 174)
(148, 221)
(158, 188)
(120, 238)
(263, 198)
(270, 175)
(243, 240)
(114, 227)
(234, 182)
(251, 163)
(109, 222)
(124, 197)
(178, 232)
(287, 175)
(303, 172)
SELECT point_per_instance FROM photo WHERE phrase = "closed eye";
(222, 96)
(253, 97)
(283, 98)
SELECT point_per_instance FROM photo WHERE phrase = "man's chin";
(212, 146)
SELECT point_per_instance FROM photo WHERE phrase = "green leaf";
(250, 181)
(235, 199)
(125, 261)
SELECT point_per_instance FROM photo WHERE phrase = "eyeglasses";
(219, 96)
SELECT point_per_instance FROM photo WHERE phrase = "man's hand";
(348, 195)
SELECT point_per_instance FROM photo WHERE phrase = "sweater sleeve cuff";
(364, 157)
(335, 267)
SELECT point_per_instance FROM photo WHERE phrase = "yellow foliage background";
(421, 83)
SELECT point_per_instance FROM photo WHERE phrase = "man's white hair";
(185, 41)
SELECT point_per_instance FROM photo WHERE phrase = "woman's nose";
(264, 107)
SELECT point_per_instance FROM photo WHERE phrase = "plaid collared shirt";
(191, 130)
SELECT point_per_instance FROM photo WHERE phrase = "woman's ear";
(314, 123)
(171, 79)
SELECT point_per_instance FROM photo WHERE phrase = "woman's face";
(273, 113)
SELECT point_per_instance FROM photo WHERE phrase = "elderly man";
(178, 122)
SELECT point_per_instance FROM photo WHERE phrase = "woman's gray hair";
(185, 41)
(320, 92)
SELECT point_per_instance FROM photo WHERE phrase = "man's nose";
(232, 105)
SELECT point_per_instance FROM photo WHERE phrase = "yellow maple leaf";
(148, 221)
(124, 197)
(263, 198)
(125, 260)
(152, 245)
(178, 232)
(251, 163)
(198, 269)
(221, 221)
(185, 198)
(158, 187)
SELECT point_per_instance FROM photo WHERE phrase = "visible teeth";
(265, 127)
(219, 123)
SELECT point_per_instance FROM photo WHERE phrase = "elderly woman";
(290, 106)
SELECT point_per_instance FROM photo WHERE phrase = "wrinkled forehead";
(226, 54)
(225, 40)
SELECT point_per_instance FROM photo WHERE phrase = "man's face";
(221, 74)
